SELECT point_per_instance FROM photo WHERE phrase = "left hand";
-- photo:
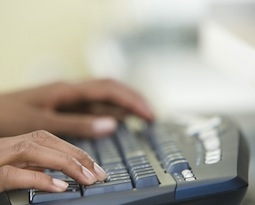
(88, 109)
(23, 156)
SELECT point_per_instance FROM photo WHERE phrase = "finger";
(106, 109)
(48, 140)
(27, 153)
(79, 125)
(116, 93)
(38, 169)
(16, 178)
(99, 90)
(95, 108)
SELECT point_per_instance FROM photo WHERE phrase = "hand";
(22, 155)
(82, 109)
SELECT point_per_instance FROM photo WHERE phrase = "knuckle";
(40, 136)
(69, 160)
(81, 154)
(23, 147)
(84, 157)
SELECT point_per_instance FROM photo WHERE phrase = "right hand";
(22, 155)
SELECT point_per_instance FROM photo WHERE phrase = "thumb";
(80, 125)
(16, 178)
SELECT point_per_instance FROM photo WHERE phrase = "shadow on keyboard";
(201, 161)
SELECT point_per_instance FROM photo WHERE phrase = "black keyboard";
(197, 161)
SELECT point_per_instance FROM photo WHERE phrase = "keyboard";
(199, 160)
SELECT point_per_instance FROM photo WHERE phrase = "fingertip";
(89, 177)
(148, 115)
(27, 179)
(104, 125)
(146, 112)
(59, 185)
(100, 173)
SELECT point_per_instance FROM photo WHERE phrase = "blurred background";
(183, 55)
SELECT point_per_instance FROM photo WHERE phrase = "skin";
(73, 109)
(22, 155)
(70, 109)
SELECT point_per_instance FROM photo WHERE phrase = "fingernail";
(104, 125)
(101, 174)
(91, 179)
(61, 185)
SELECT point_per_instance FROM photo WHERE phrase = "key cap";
(86, 146)
(177, 166)
(107, 152)
(112, 186)
(146, 180)
(73, 191)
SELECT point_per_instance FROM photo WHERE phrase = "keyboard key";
(86, 146)
(73, 191)
(129, 145)
(186, 173)
(177, 166)
(112, 186)
(212, 143)
(132, 154)
(116, 175)
(190, 179)
(115, 169)
(107, 152)
(138, 162)
(146, 180)
(137, 169)
(136, 172)
(119, 178)
(209, 124)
